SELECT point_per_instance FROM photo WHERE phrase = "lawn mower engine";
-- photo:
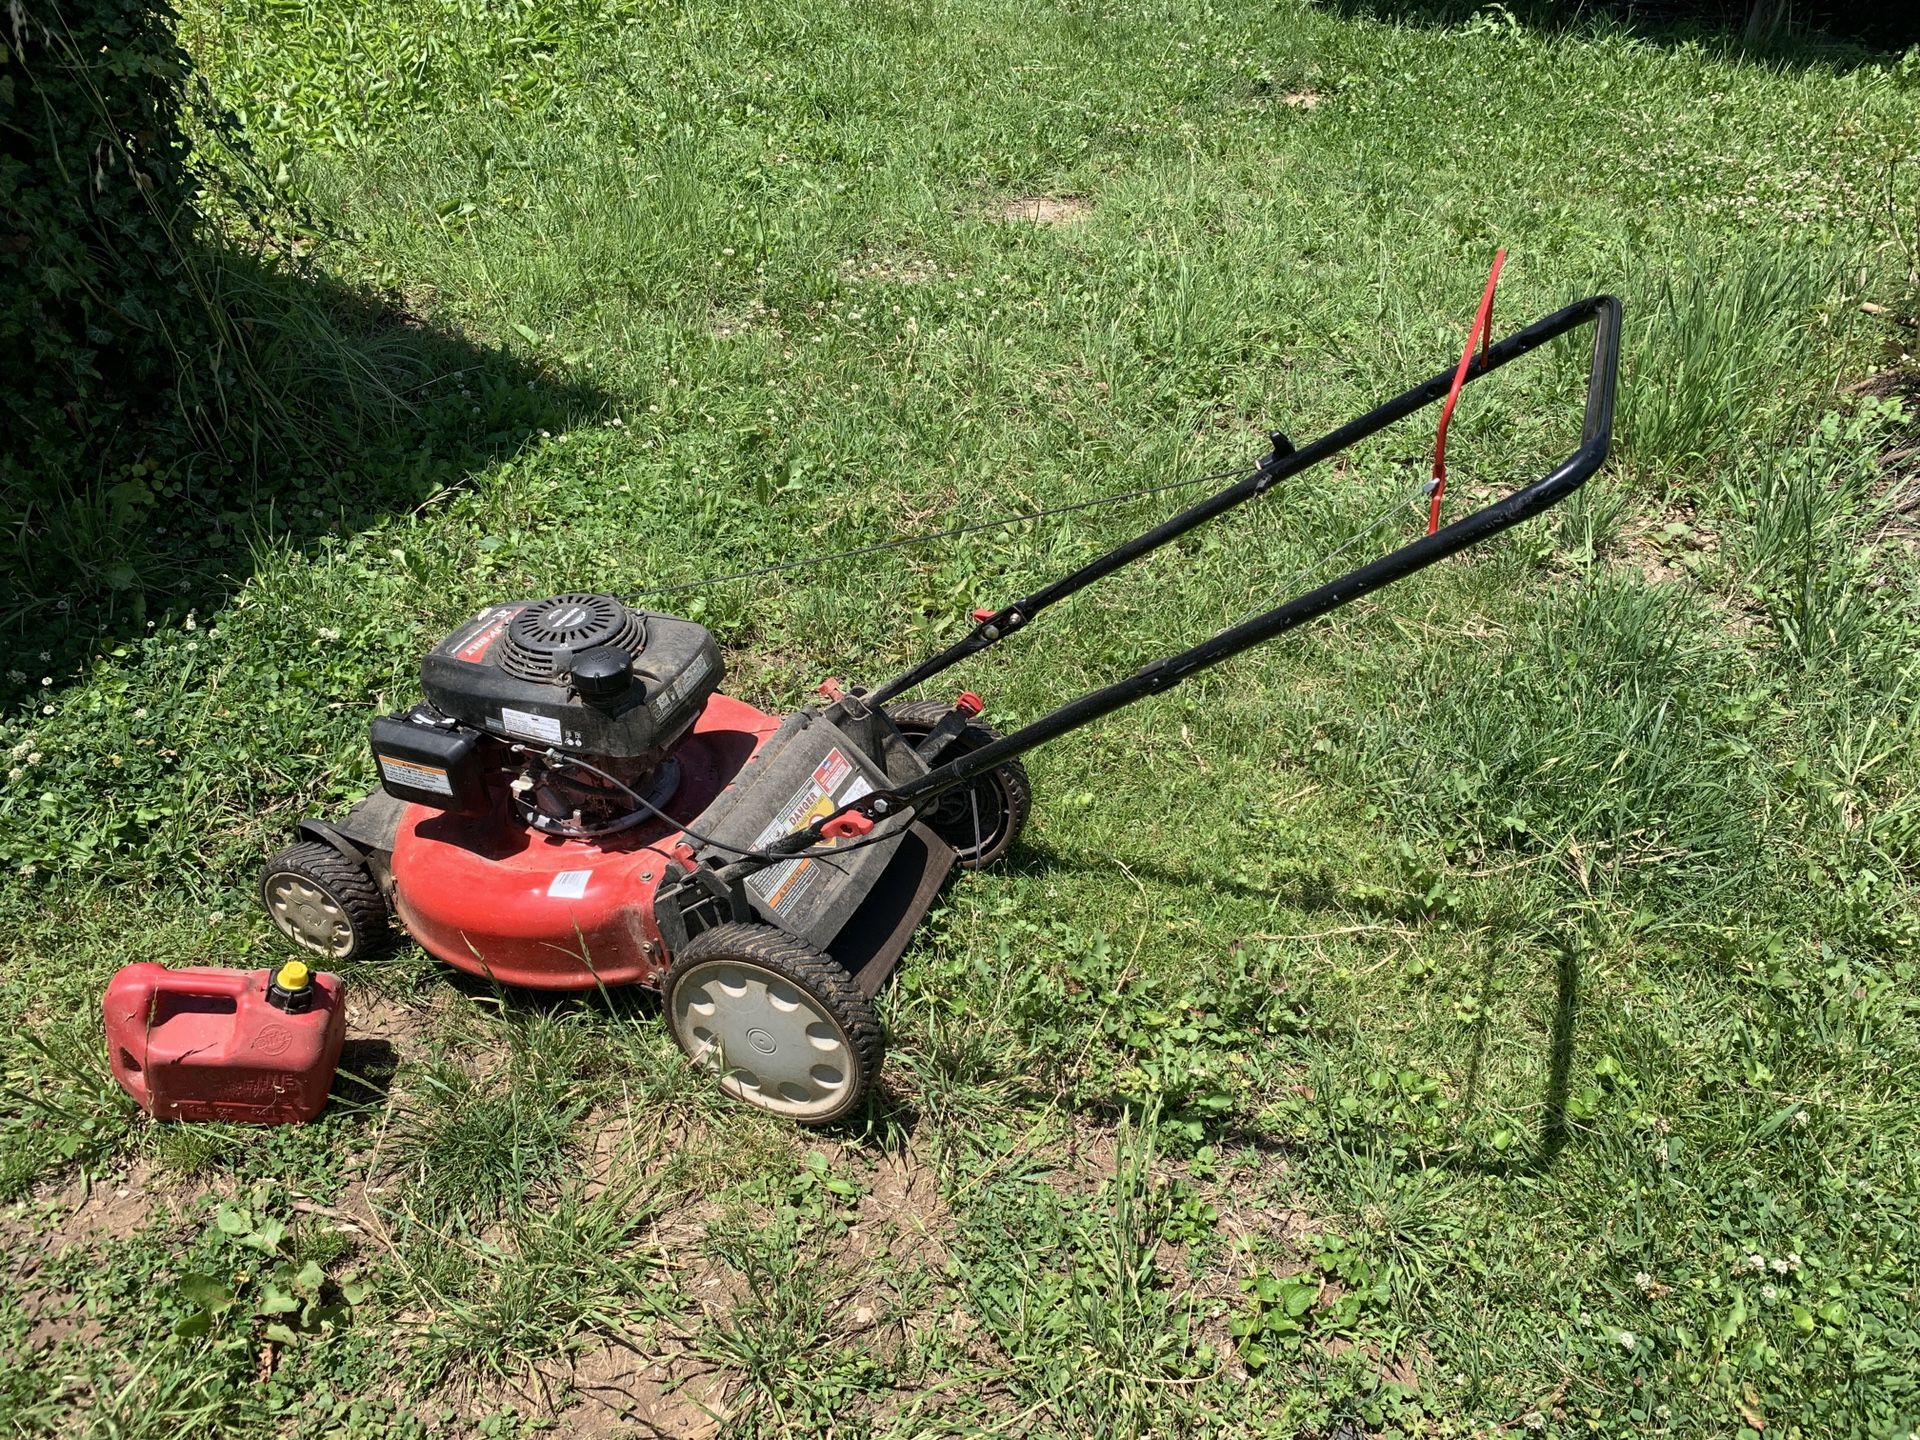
(573, 806)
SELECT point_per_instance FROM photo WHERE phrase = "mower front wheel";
(324, 903)
(983, 820)
(779, 1022)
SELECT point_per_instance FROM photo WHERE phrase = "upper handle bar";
(1596, 441)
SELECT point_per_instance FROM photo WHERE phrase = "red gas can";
(206, 1044)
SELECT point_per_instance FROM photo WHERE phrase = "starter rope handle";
(1482, 332)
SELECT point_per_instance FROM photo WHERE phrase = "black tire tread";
(810, 968)
(353, 886)
(916, 719)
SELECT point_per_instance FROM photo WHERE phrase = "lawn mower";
(574, 805)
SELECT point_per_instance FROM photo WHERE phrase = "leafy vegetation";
(96, 308)
(1491, 1009)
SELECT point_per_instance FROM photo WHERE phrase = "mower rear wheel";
(779, 1022)
(323, 902)
(981, 821)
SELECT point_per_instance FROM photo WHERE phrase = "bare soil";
(1045, 209)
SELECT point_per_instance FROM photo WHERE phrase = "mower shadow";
(1554, 1131)
(1315, 894)
(1307, 893)
(1301, 892)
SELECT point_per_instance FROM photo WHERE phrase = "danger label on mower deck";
(834, 783)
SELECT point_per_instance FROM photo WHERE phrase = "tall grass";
(1720, 359)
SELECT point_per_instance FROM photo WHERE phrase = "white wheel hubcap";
(773, 1044)
(308, 915)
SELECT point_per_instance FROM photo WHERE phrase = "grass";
(1488, 1011)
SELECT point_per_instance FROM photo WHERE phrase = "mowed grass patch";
(1489, 1009)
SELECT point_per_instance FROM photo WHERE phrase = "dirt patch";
(644, 1384)
(620, 1390)
(1401, 1370)
(1301, 99)
(62, 1322)
(353, 1214)
(80, 1214)
(1091, 1157)
(379, 1017)
(873, 1276)
(1045, 209)
(85, 1213)
(903, 1215)
(1254, 1224)
(1666, 548)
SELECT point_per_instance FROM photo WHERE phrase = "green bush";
(99, 319)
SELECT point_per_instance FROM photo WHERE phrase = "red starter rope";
(1483, 332)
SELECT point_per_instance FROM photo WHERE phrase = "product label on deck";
(530, 726)
(834, 783)
(488, 626)
(569, 884)
(414, 775)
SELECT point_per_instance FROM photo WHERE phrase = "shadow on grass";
(1311, 893)
(1317, 894)
(310, 410)
(1553, 1134)
(1833, 36)
(365, 1075)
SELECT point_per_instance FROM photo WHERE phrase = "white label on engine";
(569, 884)
(533, 727)
(681, 688)
(414, 776)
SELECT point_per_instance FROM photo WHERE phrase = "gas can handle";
(234, 983)
(146, 991)
(136, 986)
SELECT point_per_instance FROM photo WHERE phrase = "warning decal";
(834, 783)
(414, 775)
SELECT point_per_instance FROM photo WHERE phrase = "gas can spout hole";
(127, 1062)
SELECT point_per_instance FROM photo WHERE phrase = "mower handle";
(1596, 439)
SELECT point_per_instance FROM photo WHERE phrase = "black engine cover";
(509, 672)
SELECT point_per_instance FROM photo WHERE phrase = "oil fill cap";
(604, 672)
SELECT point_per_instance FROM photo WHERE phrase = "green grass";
(1416, 1027)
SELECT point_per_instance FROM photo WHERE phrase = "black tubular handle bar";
(1596, 438)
